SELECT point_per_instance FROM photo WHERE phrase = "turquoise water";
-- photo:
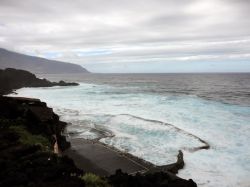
(155, 126)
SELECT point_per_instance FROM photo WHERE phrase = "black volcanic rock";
(28, 132)
(14, 79)
(36, 65)
(62, 83)
(158, 179)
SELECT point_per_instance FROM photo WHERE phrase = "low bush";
(92, 180)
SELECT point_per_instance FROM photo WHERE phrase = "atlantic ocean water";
(152, 116)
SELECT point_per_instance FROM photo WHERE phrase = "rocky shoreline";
(12, 79)
(32, 140)
(29, 131)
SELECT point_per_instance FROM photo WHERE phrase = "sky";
(132, 36)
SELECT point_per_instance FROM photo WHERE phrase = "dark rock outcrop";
(150, 180)
(28, 132)
(36, 117)
(170, 168)
(14, 79)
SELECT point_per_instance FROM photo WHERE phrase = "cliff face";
(14, 79)
(36, 65)
(33, 111)
(28, 133)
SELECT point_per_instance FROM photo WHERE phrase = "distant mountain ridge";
(37, 65)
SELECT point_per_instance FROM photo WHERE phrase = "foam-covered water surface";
(155, 126)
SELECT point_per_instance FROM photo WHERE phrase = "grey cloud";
(143, 30)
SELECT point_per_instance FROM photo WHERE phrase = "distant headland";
(11, 79)
(37, 65)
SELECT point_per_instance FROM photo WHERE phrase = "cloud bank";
(132, 36)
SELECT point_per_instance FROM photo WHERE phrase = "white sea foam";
(225, 127)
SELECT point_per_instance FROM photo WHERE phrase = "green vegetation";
(92, 180)
(27, 138)
(29, 161)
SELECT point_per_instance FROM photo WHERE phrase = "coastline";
(33, 143)
(100, 158)
(117, 159)
(87, 156)
(105, 159)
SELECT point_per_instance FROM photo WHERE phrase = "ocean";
(152, 116)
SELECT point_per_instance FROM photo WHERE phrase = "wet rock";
(170, 168)
(150, 180)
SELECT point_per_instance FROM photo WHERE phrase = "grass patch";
(29, 139)
(92, 180)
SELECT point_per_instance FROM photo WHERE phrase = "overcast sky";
(132, 35)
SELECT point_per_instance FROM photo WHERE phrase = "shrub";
(92, 180)
(30, 139)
